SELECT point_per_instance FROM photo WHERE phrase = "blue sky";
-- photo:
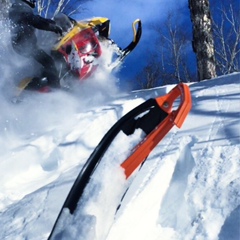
(122, 13)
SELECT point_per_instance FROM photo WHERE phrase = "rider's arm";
(42, 23)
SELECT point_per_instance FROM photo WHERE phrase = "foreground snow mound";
(187, 189)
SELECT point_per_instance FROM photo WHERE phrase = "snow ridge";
(187, 189)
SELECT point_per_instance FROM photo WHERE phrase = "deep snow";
(187, 189)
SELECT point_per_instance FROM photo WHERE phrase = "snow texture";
(189, 187)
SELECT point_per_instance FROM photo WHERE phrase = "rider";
(24, 40)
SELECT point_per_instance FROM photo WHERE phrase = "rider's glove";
(57, 30)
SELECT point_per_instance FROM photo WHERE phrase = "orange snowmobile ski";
(175, 117)
(155, 117)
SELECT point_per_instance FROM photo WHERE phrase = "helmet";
(81, 51)
(31, 3)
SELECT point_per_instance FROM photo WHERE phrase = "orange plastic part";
(175, 117)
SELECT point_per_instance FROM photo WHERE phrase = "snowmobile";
(78, 50)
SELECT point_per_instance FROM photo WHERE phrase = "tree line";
(211, 47)
(49, 8)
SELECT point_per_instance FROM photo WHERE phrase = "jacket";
(23, 23)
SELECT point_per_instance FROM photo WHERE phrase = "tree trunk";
(203, 44)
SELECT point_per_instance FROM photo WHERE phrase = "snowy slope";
(189, 187)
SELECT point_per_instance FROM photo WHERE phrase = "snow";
(189, 187)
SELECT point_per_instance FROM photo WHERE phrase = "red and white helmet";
(81, 52)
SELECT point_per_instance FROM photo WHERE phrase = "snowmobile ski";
(123, 53)
(23, 85)
(155, 118)
(174, 117)
(17, 98)
(33, 84)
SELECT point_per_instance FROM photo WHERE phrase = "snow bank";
(187, 189)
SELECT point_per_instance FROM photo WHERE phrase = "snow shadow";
(221, 81)
(173, 208)
(231, 227)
